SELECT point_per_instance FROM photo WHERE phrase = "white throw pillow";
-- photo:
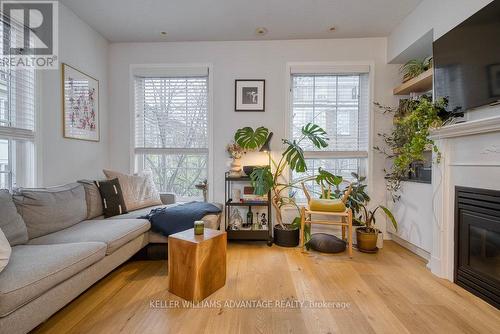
(139, 191)
(5, 251)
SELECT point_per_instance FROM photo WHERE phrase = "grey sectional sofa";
(65, 252)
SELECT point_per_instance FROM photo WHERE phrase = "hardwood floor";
(389, 292)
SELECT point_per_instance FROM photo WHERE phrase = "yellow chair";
(345, 215)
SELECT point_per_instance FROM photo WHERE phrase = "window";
(171, 132)
(339, 104)
(17, 121)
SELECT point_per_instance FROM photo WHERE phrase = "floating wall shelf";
(421, 83)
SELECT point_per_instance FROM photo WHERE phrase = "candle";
(199, 225)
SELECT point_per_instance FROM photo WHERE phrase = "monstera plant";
(270, 178)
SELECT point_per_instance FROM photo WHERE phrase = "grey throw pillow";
(11, 222)
(326, 243)
(93, 198)
(47, 210)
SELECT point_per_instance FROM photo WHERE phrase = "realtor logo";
(29, 34)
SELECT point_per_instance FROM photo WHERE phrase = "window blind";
(337, 103)
(171, 114)
(17, 94)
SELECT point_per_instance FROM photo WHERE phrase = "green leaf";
(294, 155)
(249, 139)
(315, 134)
(391, 217)
(262, 180)
(326, 178)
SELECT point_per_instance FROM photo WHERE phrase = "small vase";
(380, 240)
(235, 170)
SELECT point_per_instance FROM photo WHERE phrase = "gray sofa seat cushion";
(46, 210)
(33, 270)
(114, 232)
(11, 222)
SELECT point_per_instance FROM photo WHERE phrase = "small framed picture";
(494, 79)
(249, 95)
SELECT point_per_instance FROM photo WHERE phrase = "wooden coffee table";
(196, 263)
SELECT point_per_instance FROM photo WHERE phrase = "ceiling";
(229, 20)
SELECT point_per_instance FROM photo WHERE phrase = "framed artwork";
(249, 95)
(80, 99)
(494, 79)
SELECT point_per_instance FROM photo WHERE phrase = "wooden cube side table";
(196, 263)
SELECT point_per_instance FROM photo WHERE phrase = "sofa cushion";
(11, 222)
(93, 199)
(139, 190)
(113, 203)
(115, 233)
(47, 210)
(5, 251)
(32, 270)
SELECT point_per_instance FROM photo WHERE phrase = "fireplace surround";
(477, 242)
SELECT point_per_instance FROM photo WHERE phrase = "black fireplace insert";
(477, 242)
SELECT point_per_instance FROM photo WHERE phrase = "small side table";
(196, 263)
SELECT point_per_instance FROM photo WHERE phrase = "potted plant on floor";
(270, 178)
(368, 234)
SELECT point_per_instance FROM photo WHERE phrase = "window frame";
(333, 68)
(135, 70)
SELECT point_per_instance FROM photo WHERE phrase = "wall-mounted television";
(467, 61)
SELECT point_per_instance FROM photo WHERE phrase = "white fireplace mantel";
(485, 125)
(470, 157)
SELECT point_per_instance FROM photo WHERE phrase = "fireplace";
(477, 242)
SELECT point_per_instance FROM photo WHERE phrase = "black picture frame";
(239, 106)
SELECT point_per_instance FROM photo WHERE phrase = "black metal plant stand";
(245, 234)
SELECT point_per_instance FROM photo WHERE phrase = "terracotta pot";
(367, 241)
(286, 237)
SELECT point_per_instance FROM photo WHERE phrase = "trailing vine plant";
(409, 139)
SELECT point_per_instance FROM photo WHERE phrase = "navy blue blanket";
(170, 220)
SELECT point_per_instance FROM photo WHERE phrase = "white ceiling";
(227, 20)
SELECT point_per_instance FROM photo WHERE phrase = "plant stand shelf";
(421, 83)
(254, 235)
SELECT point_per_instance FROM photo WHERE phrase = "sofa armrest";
(167, 198)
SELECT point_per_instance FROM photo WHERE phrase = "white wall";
(414, 214)
(244, 60)
(440, 16)
(66, 160)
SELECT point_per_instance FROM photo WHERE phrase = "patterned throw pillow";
(112, 197)
(139, 190)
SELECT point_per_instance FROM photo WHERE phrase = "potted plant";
(415, 67)
(409, 138)
(368, 234)
(270, 178)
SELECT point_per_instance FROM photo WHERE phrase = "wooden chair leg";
(343, 231)
(349, 232)
(302, 225)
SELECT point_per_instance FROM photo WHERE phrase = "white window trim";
(136, 68)
(328, 66)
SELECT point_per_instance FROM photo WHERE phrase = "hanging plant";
(409, 138)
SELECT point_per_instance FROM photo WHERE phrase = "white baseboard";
(411, 247)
